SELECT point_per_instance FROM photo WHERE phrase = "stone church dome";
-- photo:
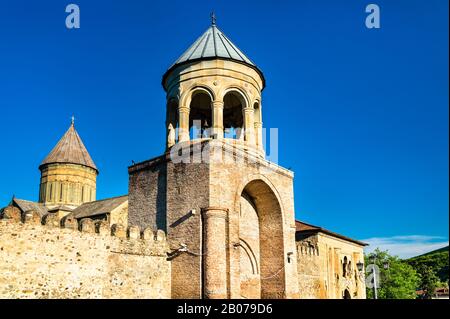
(68, 173)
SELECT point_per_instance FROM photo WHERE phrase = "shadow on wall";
(161, 200)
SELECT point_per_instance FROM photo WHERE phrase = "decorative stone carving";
(170, 135)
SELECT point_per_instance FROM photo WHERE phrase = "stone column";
(249, 125)
(217, 119)
(258, 133)
(183, 117)
(214, 252)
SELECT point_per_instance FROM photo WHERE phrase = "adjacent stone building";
(209, 218)
(328, 264)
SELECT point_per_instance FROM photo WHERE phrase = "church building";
(224, 211)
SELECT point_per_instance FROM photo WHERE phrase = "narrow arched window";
(344, 267)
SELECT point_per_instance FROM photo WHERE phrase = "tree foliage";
(398, 281)
(436, 260)
(428, 281)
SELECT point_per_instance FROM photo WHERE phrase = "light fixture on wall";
(289, 254)
(176, 252)
(360, 266)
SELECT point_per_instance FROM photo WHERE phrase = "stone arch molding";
(254, 177)
(250, 254)
(243, 94)
(186, 97)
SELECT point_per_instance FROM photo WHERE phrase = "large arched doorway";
(261, 242)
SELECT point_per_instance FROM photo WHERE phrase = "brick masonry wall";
(227, 179)
(147, 194)
(49, 261)
(165, 195)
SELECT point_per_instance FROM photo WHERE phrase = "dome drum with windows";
(214, 92)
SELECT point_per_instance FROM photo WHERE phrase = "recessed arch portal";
(261, 224)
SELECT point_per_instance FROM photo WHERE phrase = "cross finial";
(73, 119)
(213, 18)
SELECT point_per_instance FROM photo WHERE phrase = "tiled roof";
(302, 227)
(98, 207)
(213, 44)
(26, 205)
(70, 149)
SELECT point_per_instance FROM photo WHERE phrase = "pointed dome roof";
(213, 44)
(71, 150)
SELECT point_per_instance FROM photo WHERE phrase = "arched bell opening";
(233, 118)
(172, 121)
(200, 115)
(257, 112)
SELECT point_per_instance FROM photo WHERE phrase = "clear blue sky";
(365, 112)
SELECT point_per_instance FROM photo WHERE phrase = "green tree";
(398, 281)
(428, 281)
(437, 260)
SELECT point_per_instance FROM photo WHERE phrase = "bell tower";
(213, 91)
(229, 219)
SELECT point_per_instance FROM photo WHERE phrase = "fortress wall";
(41, 259)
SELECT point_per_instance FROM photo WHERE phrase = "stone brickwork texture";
(321, 263)
(185, 195)
(47, 261)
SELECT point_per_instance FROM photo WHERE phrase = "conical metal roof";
(213, 44)
(71, 150)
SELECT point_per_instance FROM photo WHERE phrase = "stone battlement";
(44, 257)
(147, 236)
